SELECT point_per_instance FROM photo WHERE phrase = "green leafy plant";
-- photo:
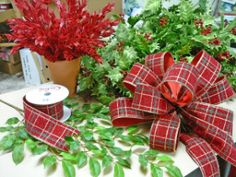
(183, 30)
(100, 146)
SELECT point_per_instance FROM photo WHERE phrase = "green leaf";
(118, 171)
(106, 161)
(125, 163)
(115, 75)
(117, 151)
(105, 99)
(125, 140)
(90, 125)
(138, 140)
(82, 159)
(102, 89)
(70, 102)
(163, 157)
(87, 136)
(105, 110)
(133, 20)
(105, 134)
(109, 143)
(85, 83)
(117, 131)
(22, 133)
(7, 142)
(18, 153)
(152, 5)
(94, 166)
(130, 53)
(132, 130)
(49, 161)
(87, 61)
(30, 144)
(164, 160)
(12, 121)
(156, 171)
(173, 171)
(151, 154)
(86, 107)
(6, 129)
(73, 144)
(68, 168)
(98, 153)
(143, 161)
(91, 146)
(95, 107)
(39, 149)
(69, 157)
(203, 5)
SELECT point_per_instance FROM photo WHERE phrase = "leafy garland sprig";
(100, 146)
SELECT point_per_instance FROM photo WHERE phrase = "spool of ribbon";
(178, 100)
(5, 6)
(43, 121)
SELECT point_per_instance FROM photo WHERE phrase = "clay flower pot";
(65, 73)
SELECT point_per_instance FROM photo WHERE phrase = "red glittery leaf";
(70, 34)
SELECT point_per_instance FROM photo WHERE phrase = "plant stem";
(20, 111)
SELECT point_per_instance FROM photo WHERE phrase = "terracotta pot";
(65, 73)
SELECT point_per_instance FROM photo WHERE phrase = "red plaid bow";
(180, 95)
(42, 122)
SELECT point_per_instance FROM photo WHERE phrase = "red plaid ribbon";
(178, 99)
(42, 122)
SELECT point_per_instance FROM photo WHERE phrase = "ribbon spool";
(44, 114)
(48, 99)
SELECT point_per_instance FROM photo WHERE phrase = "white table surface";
(31, 166)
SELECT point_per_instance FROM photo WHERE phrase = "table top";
(31, 166)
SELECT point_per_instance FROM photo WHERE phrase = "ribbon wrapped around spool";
(44, 114)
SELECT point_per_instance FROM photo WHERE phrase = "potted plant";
(183, 29)
(61, 35)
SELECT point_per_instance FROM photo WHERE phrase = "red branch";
(71, 34)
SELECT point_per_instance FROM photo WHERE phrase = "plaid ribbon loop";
(42, 123)
(164, 92)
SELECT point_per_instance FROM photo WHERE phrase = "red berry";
(148, 36)
(198, 23)
(233, 31)
(183, 59)
(206, 31)
(163, 21)
(226, 54)
(220, 57)
(215, 41)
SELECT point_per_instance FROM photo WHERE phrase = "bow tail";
(164, 134)
(219, 139)
(201, 152)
